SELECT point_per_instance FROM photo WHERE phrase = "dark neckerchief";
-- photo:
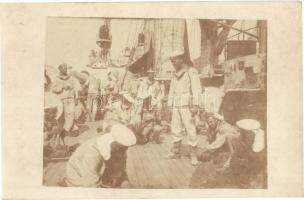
(180, 73)
(64, 77)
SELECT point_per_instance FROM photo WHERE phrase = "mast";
(104, 41)
(262, 35)
(213, 43)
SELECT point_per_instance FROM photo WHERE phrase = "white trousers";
(182, 123)
(68, 111)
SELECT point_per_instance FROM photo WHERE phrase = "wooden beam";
(245, 32)
(240, 33)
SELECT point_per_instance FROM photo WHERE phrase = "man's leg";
(94, 107)
(69, 106)
(189, 124)
(146, 131)
(176, 130)
(230, 143)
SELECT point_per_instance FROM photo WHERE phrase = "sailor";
(112, 107)
(53, 109)
(112, 86)
(247, 163)
(221, 136)
(127, 108)
(211, 101)
(148, 90)
(122, 109)
(67, 87)
(158, 100)
(250, 79)
(85, 167)
(149, 93)
(93, 85)
(183, 99)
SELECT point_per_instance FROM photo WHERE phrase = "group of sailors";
(136, 116)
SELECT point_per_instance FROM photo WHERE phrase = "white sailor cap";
(123, 135)
(248, 124)
(254, 126)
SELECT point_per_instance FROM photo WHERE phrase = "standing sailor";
(148, 90)
(66, 87)
(93, 84)
(148, 93)
(183, 98)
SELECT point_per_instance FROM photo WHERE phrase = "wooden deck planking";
(184, 164)
(153, 166)
(146, 165)
(142, 167)
(163, 171)
(131, 161)
(170, 168)
(132, 169)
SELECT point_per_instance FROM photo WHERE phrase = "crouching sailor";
(86, 166)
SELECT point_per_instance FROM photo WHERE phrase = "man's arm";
(219, 141)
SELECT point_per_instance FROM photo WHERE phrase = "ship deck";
(146, 165)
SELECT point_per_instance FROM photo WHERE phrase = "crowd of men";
(135, 116)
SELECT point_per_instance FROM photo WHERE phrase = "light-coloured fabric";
(194, 35)
(123, 135)
(185, 88)
(212, 99)
(113, 111)
(69, 113)
(117, 113)
(112, 87)
(248, 124)
(51, 100)
(92, 104)
(259, 140)
(223, 132)
(79, 111)
(103, 143)
(93, 84)
(84, 166)
(146, 88)
(182, 121)
(66, 87)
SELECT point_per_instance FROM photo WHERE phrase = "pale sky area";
(69, 40)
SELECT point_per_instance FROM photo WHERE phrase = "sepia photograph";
(151, 100)
(155, 103)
